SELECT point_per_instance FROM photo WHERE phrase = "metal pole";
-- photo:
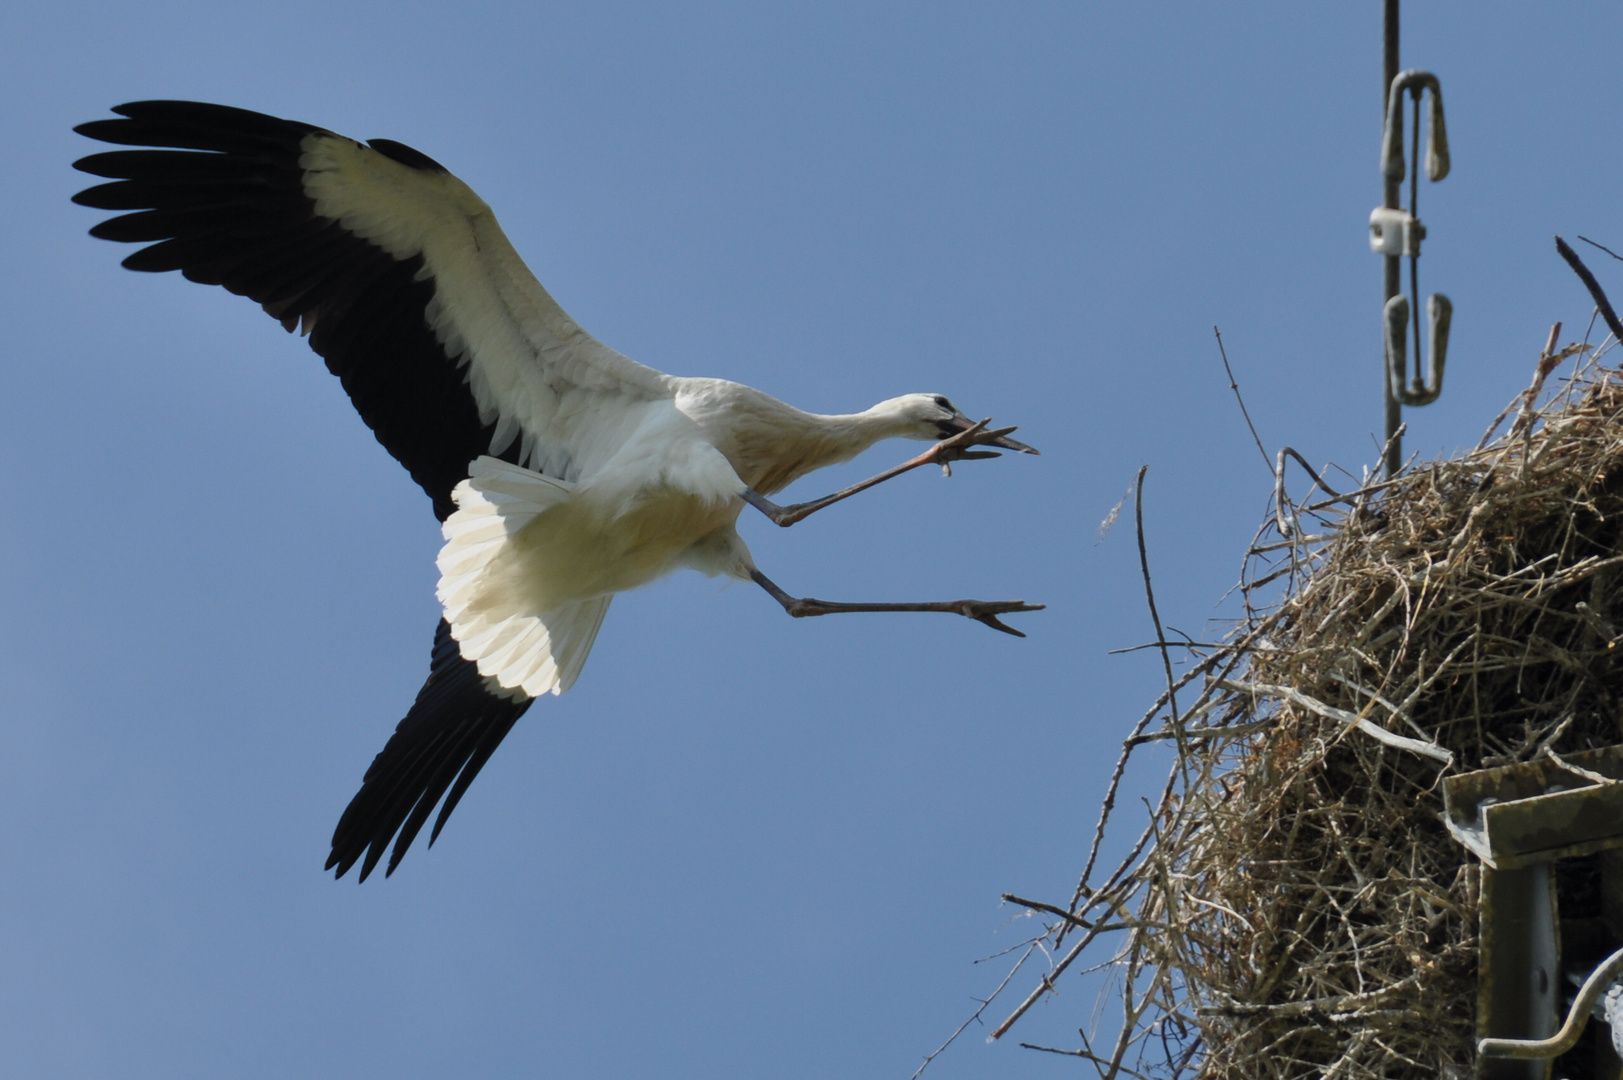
(1394, 410)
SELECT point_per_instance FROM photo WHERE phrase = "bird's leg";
(954, 448)
(982, 611)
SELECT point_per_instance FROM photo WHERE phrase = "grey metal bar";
(1390, 195)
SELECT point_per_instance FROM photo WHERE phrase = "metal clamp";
(1440, 315)
(1415, 82)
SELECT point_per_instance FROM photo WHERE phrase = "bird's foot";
(987, 612)
(959, 447)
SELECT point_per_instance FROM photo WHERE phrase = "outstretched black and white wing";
(446, 343)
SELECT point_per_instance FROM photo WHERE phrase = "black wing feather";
(453, 727)
(219, 196)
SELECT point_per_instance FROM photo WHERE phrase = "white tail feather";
(538, 652)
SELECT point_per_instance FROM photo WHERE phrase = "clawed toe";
(987, 612)
(959, 446)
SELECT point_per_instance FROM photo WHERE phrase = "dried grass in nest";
(1295, 907)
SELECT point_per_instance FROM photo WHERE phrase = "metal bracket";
(1520, 819)
(1539, 811)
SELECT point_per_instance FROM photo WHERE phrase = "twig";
(1074, 920)
(975, 1016)
(1603, 247)
(1288, 528)
(1395, 439)
(1155, 616)
(1086, 1055)
(1330, 712)
(1578, 770)
(1229, 731)
(1322, 1006)
(1164, 644)
(1592, 285)
(1122, 871)
(1236, 388)
(1232, 658)
(1546, 363)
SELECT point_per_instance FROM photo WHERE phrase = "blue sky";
(742, 846)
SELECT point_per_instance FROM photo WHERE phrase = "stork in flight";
(562, 471)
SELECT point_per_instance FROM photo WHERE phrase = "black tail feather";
(453, 727)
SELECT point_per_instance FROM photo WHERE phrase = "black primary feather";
(453, 727)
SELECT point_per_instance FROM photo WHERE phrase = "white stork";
(562, 471)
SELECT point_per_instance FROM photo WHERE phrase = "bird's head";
(933, 417)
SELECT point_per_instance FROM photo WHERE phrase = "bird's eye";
(944, 403)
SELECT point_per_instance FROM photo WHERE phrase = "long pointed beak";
(961, 422)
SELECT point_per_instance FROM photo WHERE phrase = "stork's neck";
(820, 440)
(853, 433)
(771, 444)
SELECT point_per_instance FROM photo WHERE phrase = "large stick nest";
(1296, 907)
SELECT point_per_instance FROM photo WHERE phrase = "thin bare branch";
(1234, 386)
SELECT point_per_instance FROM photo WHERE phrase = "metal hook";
(1425, 389)
(1415, 82)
